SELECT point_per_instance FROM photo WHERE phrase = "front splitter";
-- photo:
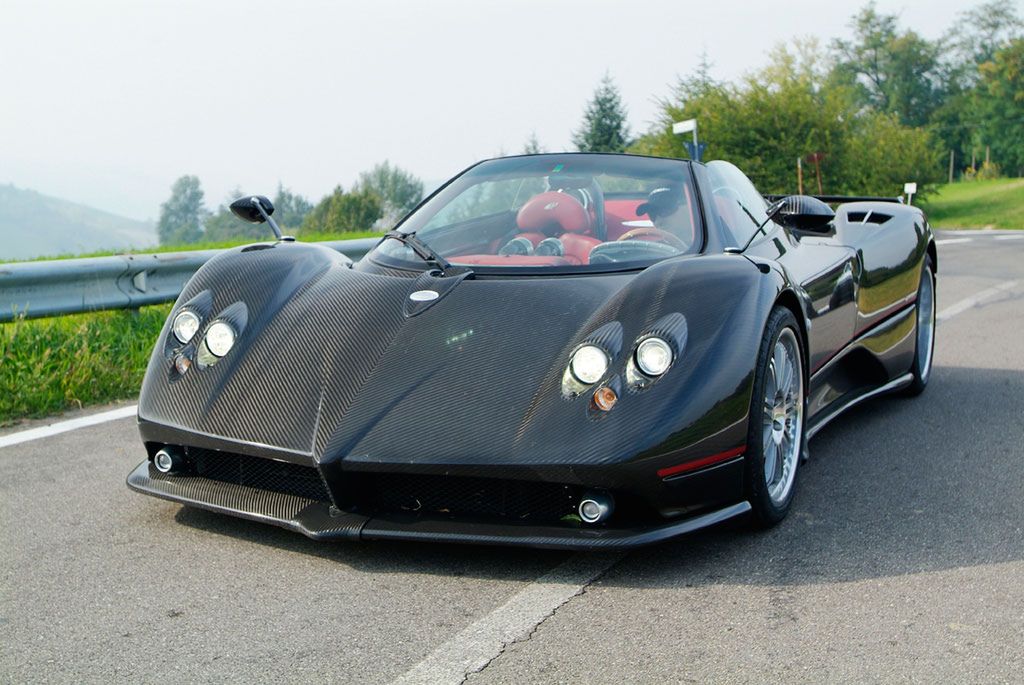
(321, 521)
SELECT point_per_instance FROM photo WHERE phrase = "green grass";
(50, 365)
(217, 245)
(997, 203)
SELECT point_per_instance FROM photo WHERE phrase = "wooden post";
(951, 166)
(799, 176)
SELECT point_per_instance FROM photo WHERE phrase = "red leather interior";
(617, 212)
(532, 236)
(578, 247)
(553, 213)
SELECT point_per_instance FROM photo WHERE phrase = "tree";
(532, 145)
(788, 110)
(980, 32)
(398, 190)
(182, 216)
(890, 71)
(341, 212)
(604, 127)
(1001, 104)
(290, 209)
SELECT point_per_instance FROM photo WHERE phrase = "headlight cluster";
(653, 356)
(216, 342)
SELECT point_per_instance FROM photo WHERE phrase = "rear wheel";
(775, 439)
(925, 343)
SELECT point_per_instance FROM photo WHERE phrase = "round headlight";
(589, 364)
(653, 356)
(185, 325)
(220, 338)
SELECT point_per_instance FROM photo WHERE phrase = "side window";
(739, 205)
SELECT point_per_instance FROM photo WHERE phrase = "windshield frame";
(375, 256)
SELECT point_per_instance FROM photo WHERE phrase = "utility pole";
(816, 158)
(988, 158)
(799, 176)
(951, 153)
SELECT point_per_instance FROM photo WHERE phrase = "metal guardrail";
(72, 286)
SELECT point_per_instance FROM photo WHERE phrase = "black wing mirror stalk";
(257, 209)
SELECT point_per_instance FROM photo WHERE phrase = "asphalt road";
(902, 560)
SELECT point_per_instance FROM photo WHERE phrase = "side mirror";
(802, 213)
(248, 208)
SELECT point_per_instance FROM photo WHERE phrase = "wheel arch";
(788, 299)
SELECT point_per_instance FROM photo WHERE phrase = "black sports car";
(568, 351)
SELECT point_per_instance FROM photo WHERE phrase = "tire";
(776, 437)
(924, 331)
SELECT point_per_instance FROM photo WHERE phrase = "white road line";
(953, 241)
(479, 643)
(65, 426)
(975, 300)
(1009, 237)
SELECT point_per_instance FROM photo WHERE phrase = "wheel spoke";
(787, 379)
(770, 457)
(780, 461)
(779, 360)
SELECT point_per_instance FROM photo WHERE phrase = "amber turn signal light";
(605, 398)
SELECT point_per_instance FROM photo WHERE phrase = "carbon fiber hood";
(335, 363)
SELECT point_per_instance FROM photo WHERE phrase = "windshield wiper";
(424, 252)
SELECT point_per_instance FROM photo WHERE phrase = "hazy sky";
(106, 103)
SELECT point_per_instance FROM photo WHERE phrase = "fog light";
(605, 398)
(168, 461)
(596, 507)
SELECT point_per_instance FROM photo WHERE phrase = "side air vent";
(867, 217)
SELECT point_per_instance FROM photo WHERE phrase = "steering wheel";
(630, 251)
(660, 235)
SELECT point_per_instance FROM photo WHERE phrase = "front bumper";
(320, 521)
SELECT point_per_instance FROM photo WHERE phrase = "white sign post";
(910, 189)
(685, 127)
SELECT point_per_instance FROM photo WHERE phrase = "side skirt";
(818, 423)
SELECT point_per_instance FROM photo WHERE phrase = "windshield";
(567, 212)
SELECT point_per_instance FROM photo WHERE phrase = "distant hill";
(36, 225)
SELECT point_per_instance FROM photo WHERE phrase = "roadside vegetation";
(860, 115)
(996, 203)
(51, 365)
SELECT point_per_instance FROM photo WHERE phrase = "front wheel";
(925, 342)
(775, 438)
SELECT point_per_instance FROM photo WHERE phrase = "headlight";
(589, 364)
(653, 356)
(220, 338)
(185, 325)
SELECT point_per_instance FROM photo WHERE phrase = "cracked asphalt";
(902, 561)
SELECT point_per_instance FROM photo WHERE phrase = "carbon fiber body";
(432, 420)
